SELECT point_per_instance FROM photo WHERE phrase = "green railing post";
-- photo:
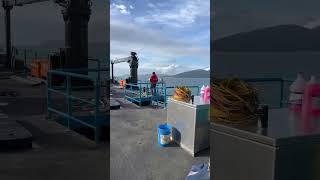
(99, 67)
(97, 110)
(140, 101)
(281, 92)
(49, 86)
(69, 100)
(165, 96)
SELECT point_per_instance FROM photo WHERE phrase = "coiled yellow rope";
(233, 101)
(182, 93)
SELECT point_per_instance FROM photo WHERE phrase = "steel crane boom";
(133, 63)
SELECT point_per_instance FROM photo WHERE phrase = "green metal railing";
(95, 121)
(195, 90)
(281, 82)
(141, 91)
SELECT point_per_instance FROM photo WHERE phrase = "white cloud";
(168, 69)
(312, 23)
(119, 8)
(157, 50)
(131, 37)
(148, 67)
(182, 15)
(207, 69)
(151, 5)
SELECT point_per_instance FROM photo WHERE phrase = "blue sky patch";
(169, 36)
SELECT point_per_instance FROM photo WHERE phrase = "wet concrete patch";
(24, 106)
(9, 93)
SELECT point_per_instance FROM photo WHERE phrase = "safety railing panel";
(142, 91)
(194, 89)
(67, 93)
(282, 82)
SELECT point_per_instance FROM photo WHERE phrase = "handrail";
(137, 88)
(62, 73)
(280, 80)
(267, 79)
(190, 87)
(67, 93)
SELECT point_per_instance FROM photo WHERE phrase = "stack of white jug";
(205, 93)
(297, 89)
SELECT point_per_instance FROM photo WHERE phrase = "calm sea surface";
(267, 65)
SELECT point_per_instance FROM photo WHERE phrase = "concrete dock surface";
(134, 152)
(57, 153)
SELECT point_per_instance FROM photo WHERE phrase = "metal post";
(112, 77)
(281, 92)
(99, 67)
(140, 100)
(147, 90)
(165, 96)
(69, 100)
(49, 86)
(25, 61)
(8, 33)
(97, 111)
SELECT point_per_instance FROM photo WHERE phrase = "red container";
(308, 107)
(35, 68)
(44, 67)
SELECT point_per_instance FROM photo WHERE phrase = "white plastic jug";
(297, 89)
(202, 91)
(313, 80)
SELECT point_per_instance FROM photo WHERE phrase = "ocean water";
(266, 65)
(173, 82)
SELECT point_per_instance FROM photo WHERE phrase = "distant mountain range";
(199, 73)
(277, 38)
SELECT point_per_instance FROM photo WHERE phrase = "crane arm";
(21, 2)
(127, 59)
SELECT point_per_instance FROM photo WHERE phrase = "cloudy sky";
(36, 23)
(169, 36)
(240, 16)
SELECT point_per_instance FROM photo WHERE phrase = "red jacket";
(154, 79)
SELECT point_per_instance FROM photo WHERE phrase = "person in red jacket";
(153, 82)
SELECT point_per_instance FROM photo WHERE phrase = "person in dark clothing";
(153, 82)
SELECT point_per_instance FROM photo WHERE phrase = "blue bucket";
(164, 133)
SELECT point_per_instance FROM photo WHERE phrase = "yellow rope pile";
(234, 102)
(182, 93)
